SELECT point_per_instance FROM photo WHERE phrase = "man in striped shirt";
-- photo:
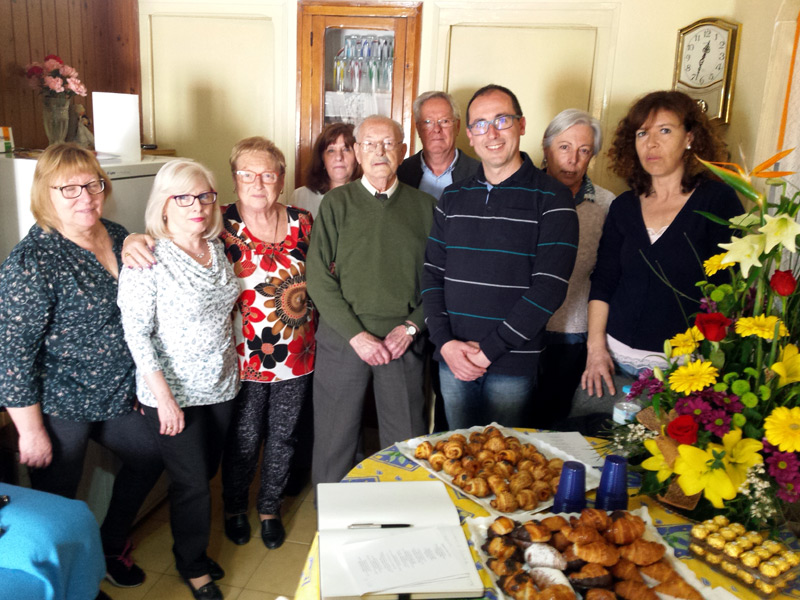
(497, 264)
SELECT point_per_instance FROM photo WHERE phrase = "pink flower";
(51, 64)
(68, 71)
(54, 83)
(789, 491)
(75, 86)
(784, 466)
(696, 407)
(718, 422)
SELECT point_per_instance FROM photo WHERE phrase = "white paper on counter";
(572, 443)
(116, 124)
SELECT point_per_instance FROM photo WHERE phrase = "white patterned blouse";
(177, 319)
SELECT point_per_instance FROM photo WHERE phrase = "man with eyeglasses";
(363, 268)
(439, 163)
(497, 264)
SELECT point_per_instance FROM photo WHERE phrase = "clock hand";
(706, 50)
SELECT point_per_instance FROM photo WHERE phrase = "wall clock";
(705, 64)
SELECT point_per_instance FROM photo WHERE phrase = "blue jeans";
(503, 399)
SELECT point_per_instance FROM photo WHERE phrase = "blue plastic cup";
(571, 493)
(613, 491)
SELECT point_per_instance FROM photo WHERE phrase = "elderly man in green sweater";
(363, 269)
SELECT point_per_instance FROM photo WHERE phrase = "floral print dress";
(274, 318)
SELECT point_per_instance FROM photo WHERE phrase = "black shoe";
(101, 595)
(273, 533)
(237, 529)
(215, 571)
(209, 591)
(121, 570)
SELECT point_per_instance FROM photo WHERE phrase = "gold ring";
(127, 254)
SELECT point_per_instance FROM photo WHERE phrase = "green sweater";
(364, 263)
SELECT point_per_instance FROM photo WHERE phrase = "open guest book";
(392, 540)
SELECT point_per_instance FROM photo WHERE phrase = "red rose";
(783, 282)
(713, 326)
(54, 57)
(683, 429)
(34, 71)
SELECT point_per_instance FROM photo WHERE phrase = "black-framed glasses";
(250, 176)
(499, 123)
(72, 191)
(385, 145)
(186, 200)
(431, 123)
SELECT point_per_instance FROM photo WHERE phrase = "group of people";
(527, 281)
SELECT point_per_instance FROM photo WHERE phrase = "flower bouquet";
(53, 78)
(720, 429)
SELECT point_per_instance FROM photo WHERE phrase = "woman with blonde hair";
(177, 321)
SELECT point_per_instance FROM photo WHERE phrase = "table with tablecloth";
(392, 465)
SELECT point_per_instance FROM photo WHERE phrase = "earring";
(164, 218)
(688, 146)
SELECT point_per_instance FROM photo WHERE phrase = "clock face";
(703, 55)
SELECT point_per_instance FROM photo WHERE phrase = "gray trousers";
(340, 382)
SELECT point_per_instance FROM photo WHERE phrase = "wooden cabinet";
(354, 59)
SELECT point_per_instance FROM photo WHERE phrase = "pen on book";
(378, 525)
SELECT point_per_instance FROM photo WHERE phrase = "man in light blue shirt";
(439, 163)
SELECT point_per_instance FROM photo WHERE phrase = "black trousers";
(560, 370)
(129, 438)
(191, 459)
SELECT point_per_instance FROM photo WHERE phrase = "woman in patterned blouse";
(266, 242)
(177, 321)
(65, 372)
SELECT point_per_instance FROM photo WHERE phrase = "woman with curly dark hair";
(654, 234)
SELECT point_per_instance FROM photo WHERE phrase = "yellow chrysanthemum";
(714, 264)
(704, 471)
(657, 462)
(782, 428)
(693, 377)
(788, 366)
(740, 455)
(687, 342)
(761, 325)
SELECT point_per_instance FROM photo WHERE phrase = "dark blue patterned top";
(61, 339)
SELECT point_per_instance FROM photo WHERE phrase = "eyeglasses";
(500, 123)
(186, 200)
(431, 123)
(72, 191)
(250, 177)
(385, 145)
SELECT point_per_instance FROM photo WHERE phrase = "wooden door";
(317, 20)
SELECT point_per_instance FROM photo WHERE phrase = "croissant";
(559, 542)
(554, 484)
(452, 466)
(526, 591)
(642, 552)
(542, 473)
(542, 490)
(512, 442)
(476, 437)
(472, 448)
(624, 528)
(503, 567)
(491, 431)
(505, 502)
(678, 588)
(497, 484)
(582, 534)
(528, 450)
(573, 562)
(517, 585)
(555, 464)
(437, 461)
(504, 468)
(485, 455)
(501, 526)
(457, 437)
(554, 523)
(599, 594)
(500, 547)
(453, 449)
(439, 446)
(495, 444)
(538, 459)
(625, 569)
(527, 499)
(519, 481)
(462, 479)
(557, 592)
(598, 552)
(525, 465)
(591, 575)
(470, 464)
(424, 450)
(660, 570)
(634, 590)
(594, 517)
(531, 531)
(509, 455)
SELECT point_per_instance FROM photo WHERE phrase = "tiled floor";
(252, 571)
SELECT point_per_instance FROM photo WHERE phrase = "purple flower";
(707, 305)
(784, 466)
(694, 406)
(718, 422)
(645, 383)
(789, 491)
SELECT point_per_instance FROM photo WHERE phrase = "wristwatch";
(411, 329)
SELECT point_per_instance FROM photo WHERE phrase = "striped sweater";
(497, 264)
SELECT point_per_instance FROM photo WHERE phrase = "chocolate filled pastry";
(485, 455)
(526, 499)
(520, 481)
(503, 567)
(453, 450)
(531, 531)
(598, 552)
(457, 437)
(591, 575)
(573, 562)
(599, 594)
(497, 484)
(452, 466)
(538, 459)
(437, 461)
(642, 552)
(462, 479)
(525, 465)
(542, 473)
(626, 570)
(509, 455)
(439, 446)
(678, 588)
(528, 450)
(501, 547)
(514, 584)
(504, 469)
(492, 431)
(505, 502)
(660, 571)
(501, 526)
(554, 523)
(559, 542)
(470, 464)
(554, 484)
(424, 450)
(544, 555)
(513, 442)
(472, 448)
(476, 437)
(582, 534)
(557, 592)
(542, 490)
(478, 487)
(555, 465)
(624, 528)
(594, 517)
(495, 444)
(634, 590)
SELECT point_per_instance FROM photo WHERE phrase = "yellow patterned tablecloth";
(391, 465)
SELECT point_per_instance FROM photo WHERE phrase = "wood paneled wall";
(100, 38)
